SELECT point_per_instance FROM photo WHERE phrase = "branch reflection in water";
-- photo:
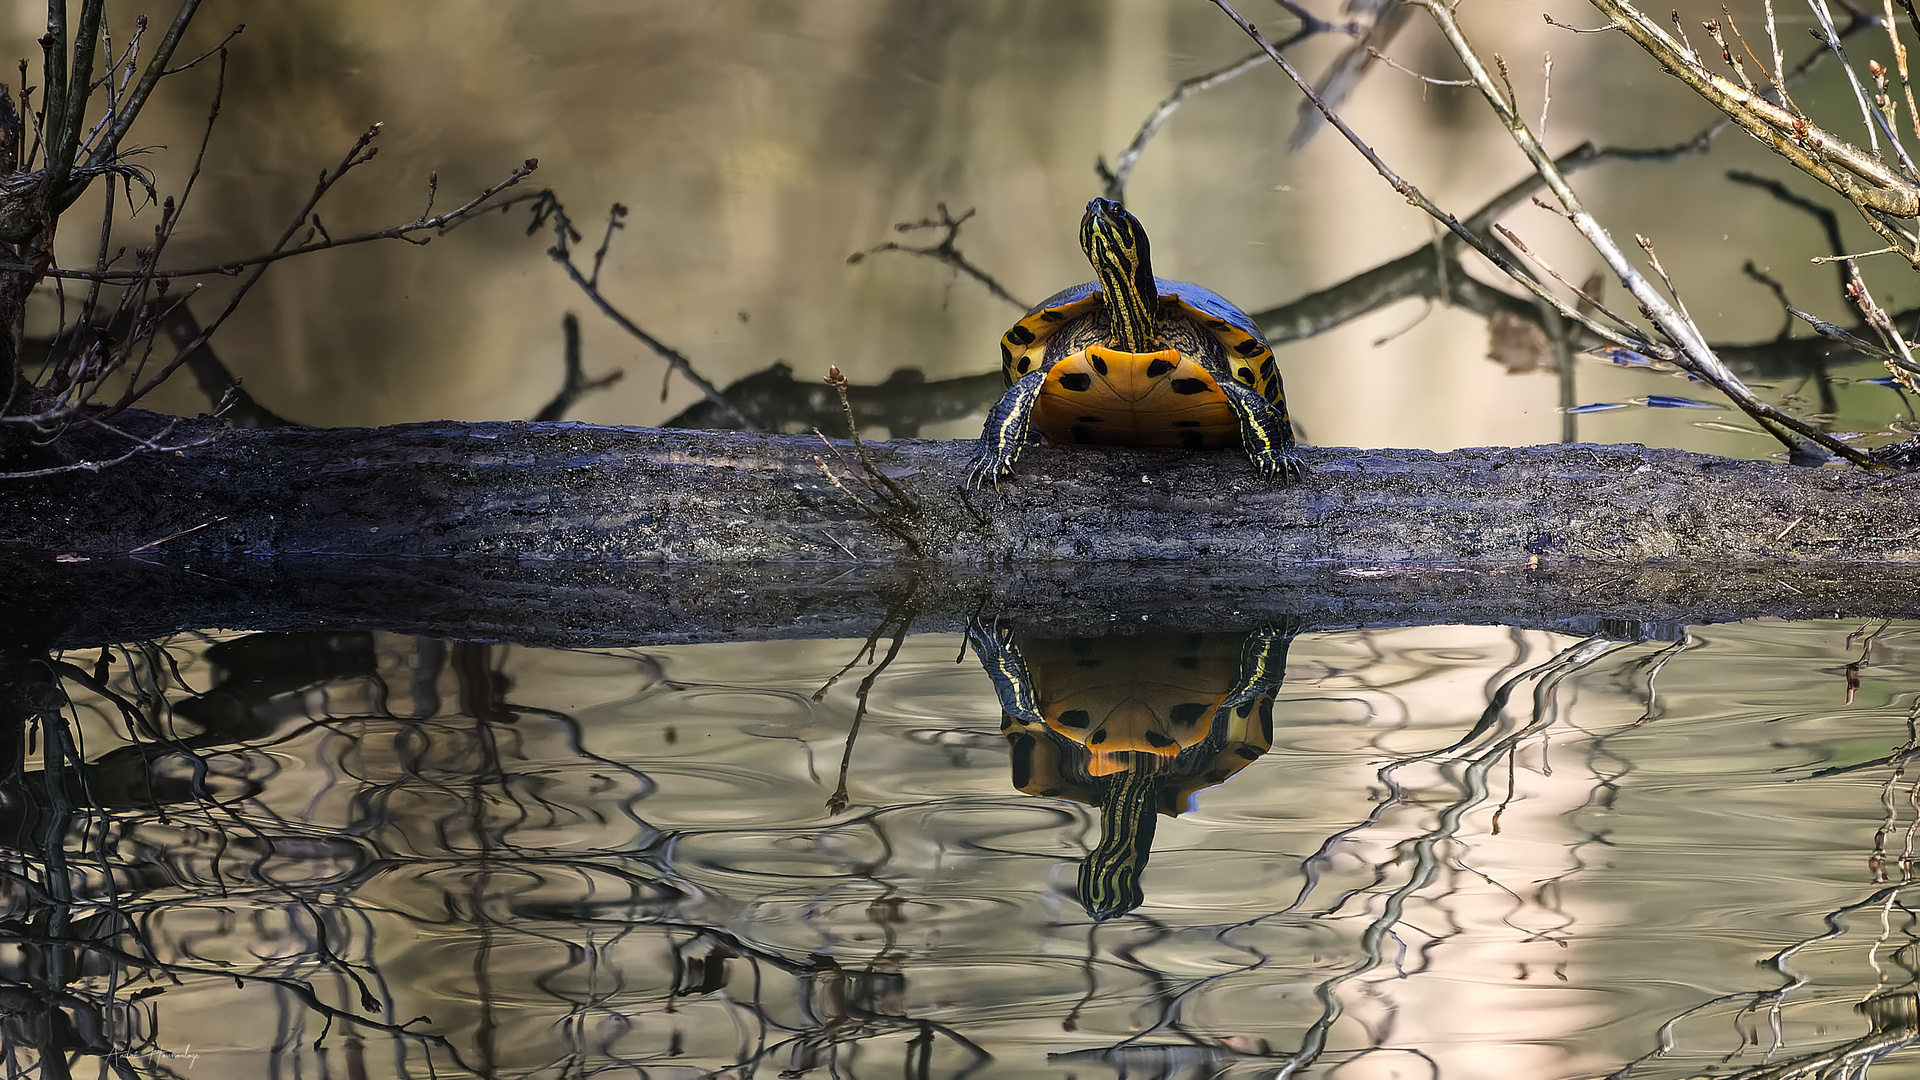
(1463, 850)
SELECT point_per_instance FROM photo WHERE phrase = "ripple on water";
(636, 860)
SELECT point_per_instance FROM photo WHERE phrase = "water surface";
(1468, 851)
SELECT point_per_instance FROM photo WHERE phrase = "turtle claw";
(1266, 434)
(1285, 464)
(986, 469)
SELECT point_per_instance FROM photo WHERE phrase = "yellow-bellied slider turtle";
(1136, 360)
(1133, 724)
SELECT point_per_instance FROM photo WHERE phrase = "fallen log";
(579, 492)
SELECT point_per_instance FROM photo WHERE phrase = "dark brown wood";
(557, 491)
(572, 534)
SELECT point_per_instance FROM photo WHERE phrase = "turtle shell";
(1172, 397)
(1148, 703)
(1135, 725)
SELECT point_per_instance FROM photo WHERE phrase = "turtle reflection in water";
(1133, 724)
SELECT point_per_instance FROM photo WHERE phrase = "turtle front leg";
(1265, 432)
(1001, 658)
(1006, 432)
(1263, 662)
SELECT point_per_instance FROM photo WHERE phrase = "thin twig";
(1726, 54)
(362, 152)
(1419, 198)
(1692, 349)
(1585, 295)
(144, 446)
(440, 223)
(137, 100)
(1835, 333)
(1901, 363)
(1875, 121)
(547, 208)
(1115, 178)
(574, 384)
(945, 251)
(616, 219)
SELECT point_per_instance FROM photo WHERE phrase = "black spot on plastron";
(1192, 440)
(1245, 375)
(1158, 741)
(1098, 737)
(1217, 776)
(1005, 723)
(1266, 368)
(1218, 324)
(1077, 380)
(1054, 792)
(1074, 718)
(1052, 315)
(1190, 386)
(1187, 713)
(1158, 368)
(1025, 363)
(1099, 364)
(1245, 708)
(1188, 662)
(1091, 419)
(1249, 347)
(1022, 753)
(1020, 335)
(1247, 752)
(1081, 433)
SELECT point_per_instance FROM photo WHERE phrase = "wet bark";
(572, 534)
(576, 492)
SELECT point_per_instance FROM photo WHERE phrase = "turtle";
(1136, 360)
(1133, 724)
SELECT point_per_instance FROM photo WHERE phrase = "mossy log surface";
(572, 534)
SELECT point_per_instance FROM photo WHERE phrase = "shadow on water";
(393, 855)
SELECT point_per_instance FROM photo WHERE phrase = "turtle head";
(1116, 246)
(1110, 877)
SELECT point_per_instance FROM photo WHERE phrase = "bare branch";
(137, 100)
(1115, 178)
(439, 223)
(946, 251)
(575, 384)
(547, 208)
(1900, 361)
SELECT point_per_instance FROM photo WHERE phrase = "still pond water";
(1461, 851)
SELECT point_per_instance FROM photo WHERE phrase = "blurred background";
(759, 143)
